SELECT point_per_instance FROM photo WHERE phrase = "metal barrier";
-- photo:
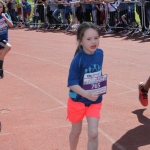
(115, 17)
(146, 18)
(24, 21)
(123, 17)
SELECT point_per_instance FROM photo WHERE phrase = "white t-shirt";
(113, 6)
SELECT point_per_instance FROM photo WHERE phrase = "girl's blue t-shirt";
(4, 27)
(81, 65)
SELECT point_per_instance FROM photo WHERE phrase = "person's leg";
(62, 11)
(92, 133)
(112, 18)
(33, 20)
(143, 92)
(67, 18)
(4, 51)
(5, 48)
(147, 85)
(94, 13)
(146, 19)
(74, 135)
(55, 15)
(75, 114)
(13, 16)
(88, 19)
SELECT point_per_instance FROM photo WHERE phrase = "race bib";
(95, 82)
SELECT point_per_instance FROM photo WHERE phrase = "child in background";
(35, 17)
(13, 12)
(26, 10)
(19, 12)
(87, 61)
(94, 11)
(143, 92)
(128, 19)
(68, 11)
(5, 47)
(101, 9)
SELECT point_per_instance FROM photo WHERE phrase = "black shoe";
(1, 74)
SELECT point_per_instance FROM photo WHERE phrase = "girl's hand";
(3, 15)
(92, 96)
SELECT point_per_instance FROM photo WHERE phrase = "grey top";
(53, 5)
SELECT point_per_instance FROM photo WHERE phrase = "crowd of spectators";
(111, 15)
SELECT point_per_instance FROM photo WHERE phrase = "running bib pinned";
(95, 82)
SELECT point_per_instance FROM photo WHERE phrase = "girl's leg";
(92, 133)
(147, 84)
(5, 51)
(74, 135)
(33, 20)
(143, 92)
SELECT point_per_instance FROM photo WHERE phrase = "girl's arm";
(10, 24)
(86, 94)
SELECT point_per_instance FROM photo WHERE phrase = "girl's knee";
(93, 134)
(76, 133)
(8, 47)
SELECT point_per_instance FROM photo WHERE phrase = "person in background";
(5, 47)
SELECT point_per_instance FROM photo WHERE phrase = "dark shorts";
(25, 14)
(2, 44)
(102, 16)
(19, 11)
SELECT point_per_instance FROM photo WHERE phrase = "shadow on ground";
(136, 137)
(135, 37)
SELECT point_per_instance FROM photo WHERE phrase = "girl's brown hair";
(80, 32)
(4, 6)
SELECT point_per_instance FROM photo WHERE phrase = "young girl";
(143, 92)
(5, 47)
(85, 70)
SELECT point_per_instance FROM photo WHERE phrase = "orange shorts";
(77, 110)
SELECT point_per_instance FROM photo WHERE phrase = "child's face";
(1, 8)
(90, 41)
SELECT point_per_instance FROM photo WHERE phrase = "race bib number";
(95, 82)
